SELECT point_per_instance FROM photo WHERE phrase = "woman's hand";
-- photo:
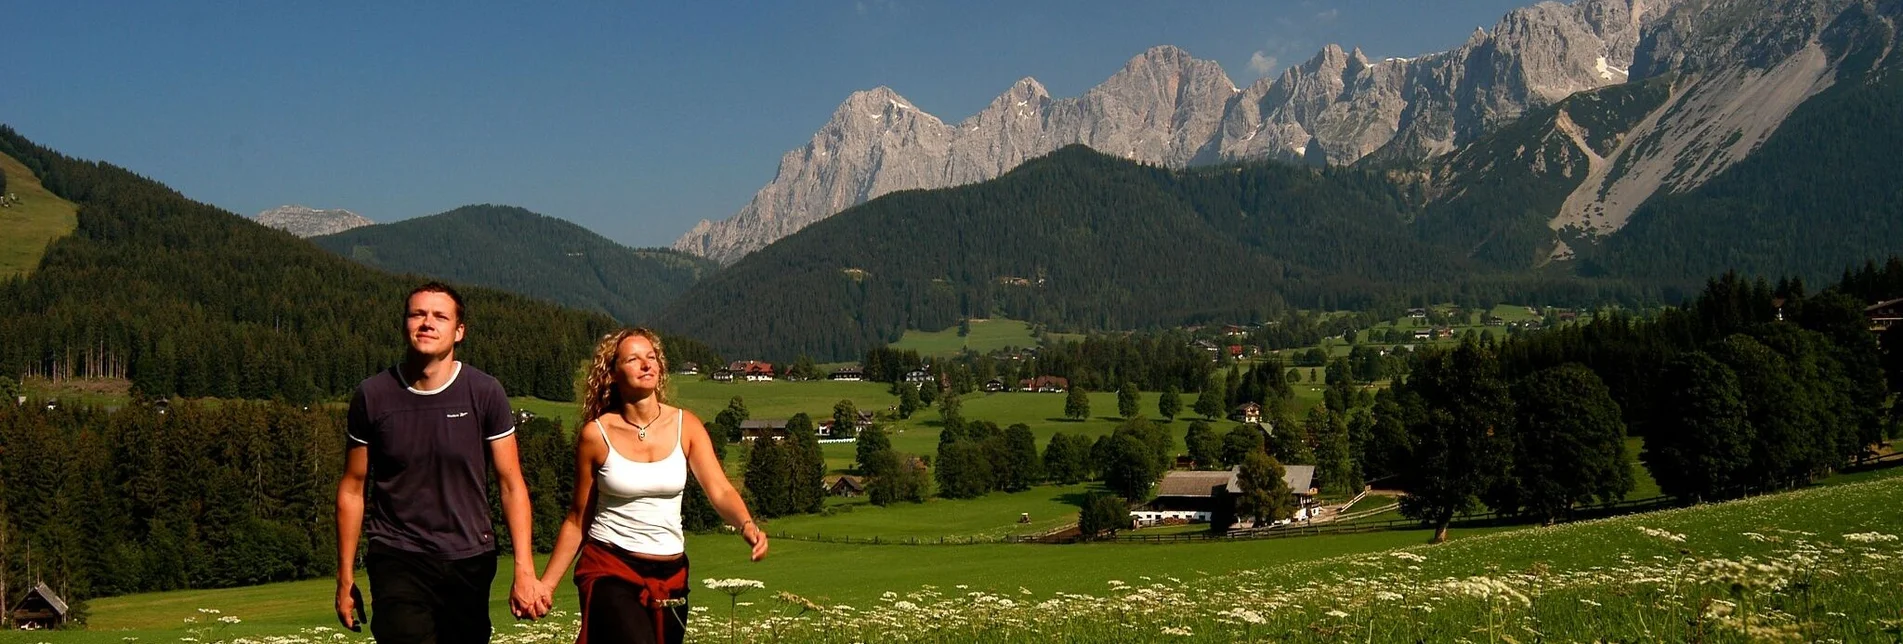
(751, 532)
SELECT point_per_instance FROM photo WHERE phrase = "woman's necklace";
(641, 430)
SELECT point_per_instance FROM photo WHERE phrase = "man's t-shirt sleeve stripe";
(357, 419)
(498, 419)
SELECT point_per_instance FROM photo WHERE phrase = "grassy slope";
(986, 335)
(810, 569)
(858, 574)
(30, 225)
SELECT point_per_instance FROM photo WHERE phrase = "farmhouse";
(846, 485)
(918, 375)
(40, 610)
(1417, 314)
(1423, 334)
(760, 372)
(1884, 314)
(995, 385)
(849, 373)
(756, 429)
(689, 369)
(1211, 496)
(1045, 384)
(723, 375)
(1247, 413)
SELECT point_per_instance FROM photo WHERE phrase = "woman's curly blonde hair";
(602, 395)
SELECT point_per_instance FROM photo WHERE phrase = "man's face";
(431, 325)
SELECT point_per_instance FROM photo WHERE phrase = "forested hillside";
(1822, 191)
(188, 299)
(1081, 240)
(520, 251)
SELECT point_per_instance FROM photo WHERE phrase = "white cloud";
(1328, 16)
(1263, 64)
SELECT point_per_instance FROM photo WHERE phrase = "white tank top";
(638, 504)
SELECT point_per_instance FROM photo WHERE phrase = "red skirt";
(660, 589)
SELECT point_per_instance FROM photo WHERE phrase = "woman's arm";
(589, 452)
(713, 481)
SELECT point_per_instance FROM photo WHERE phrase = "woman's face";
(638, 364)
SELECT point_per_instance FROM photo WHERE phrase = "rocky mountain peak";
(310, 222)
(1167, 107)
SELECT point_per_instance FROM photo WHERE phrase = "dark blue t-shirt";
(429, 461)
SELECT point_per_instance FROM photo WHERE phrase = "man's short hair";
(436, 287)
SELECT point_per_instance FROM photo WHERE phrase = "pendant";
(641, 433)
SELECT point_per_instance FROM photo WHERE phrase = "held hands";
(754, 537)
(350, 606)
(529, 598)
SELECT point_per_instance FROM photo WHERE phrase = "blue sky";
(634, 119)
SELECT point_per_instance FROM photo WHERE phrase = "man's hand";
(349, 606)
(755, 538)
(528, 598)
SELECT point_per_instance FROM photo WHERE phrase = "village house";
(760, 372)
(849, 373)
(918, 376)
(1234, 331)
(689, 369)
(723, 375)
(1417, 314)
(755, 429)
(1423, 335)
(1883, 314)
(1210, 497)
(1045, 384)
(1444, 333)
(1247, 412)
(846, 485)
(995, 385)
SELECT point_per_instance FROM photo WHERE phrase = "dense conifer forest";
(519, 251)
(186, 299)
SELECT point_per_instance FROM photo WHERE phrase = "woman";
(631, 461)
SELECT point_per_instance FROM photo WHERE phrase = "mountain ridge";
(517, 250)
(1169, 108)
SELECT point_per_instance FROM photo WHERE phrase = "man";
(421, 435)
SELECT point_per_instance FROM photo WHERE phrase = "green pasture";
(986, 335)
(990, 516)
(37, 220)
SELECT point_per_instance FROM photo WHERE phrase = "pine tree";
(1127, 400)
(1203, 445)
(1170, 403)
(1334, 460)
(908, 400)
(867, 450)
(1020, 453)
(769, 478)
(806, 464)
(1209, 402)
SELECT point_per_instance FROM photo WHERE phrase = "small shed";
(40, 610)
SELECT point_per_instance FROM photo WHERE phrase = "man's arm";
(350, 528)
(526, 596)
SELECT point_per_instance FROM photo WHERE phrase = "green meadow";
(1812, 564)
(986, 335)
(37, 220)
